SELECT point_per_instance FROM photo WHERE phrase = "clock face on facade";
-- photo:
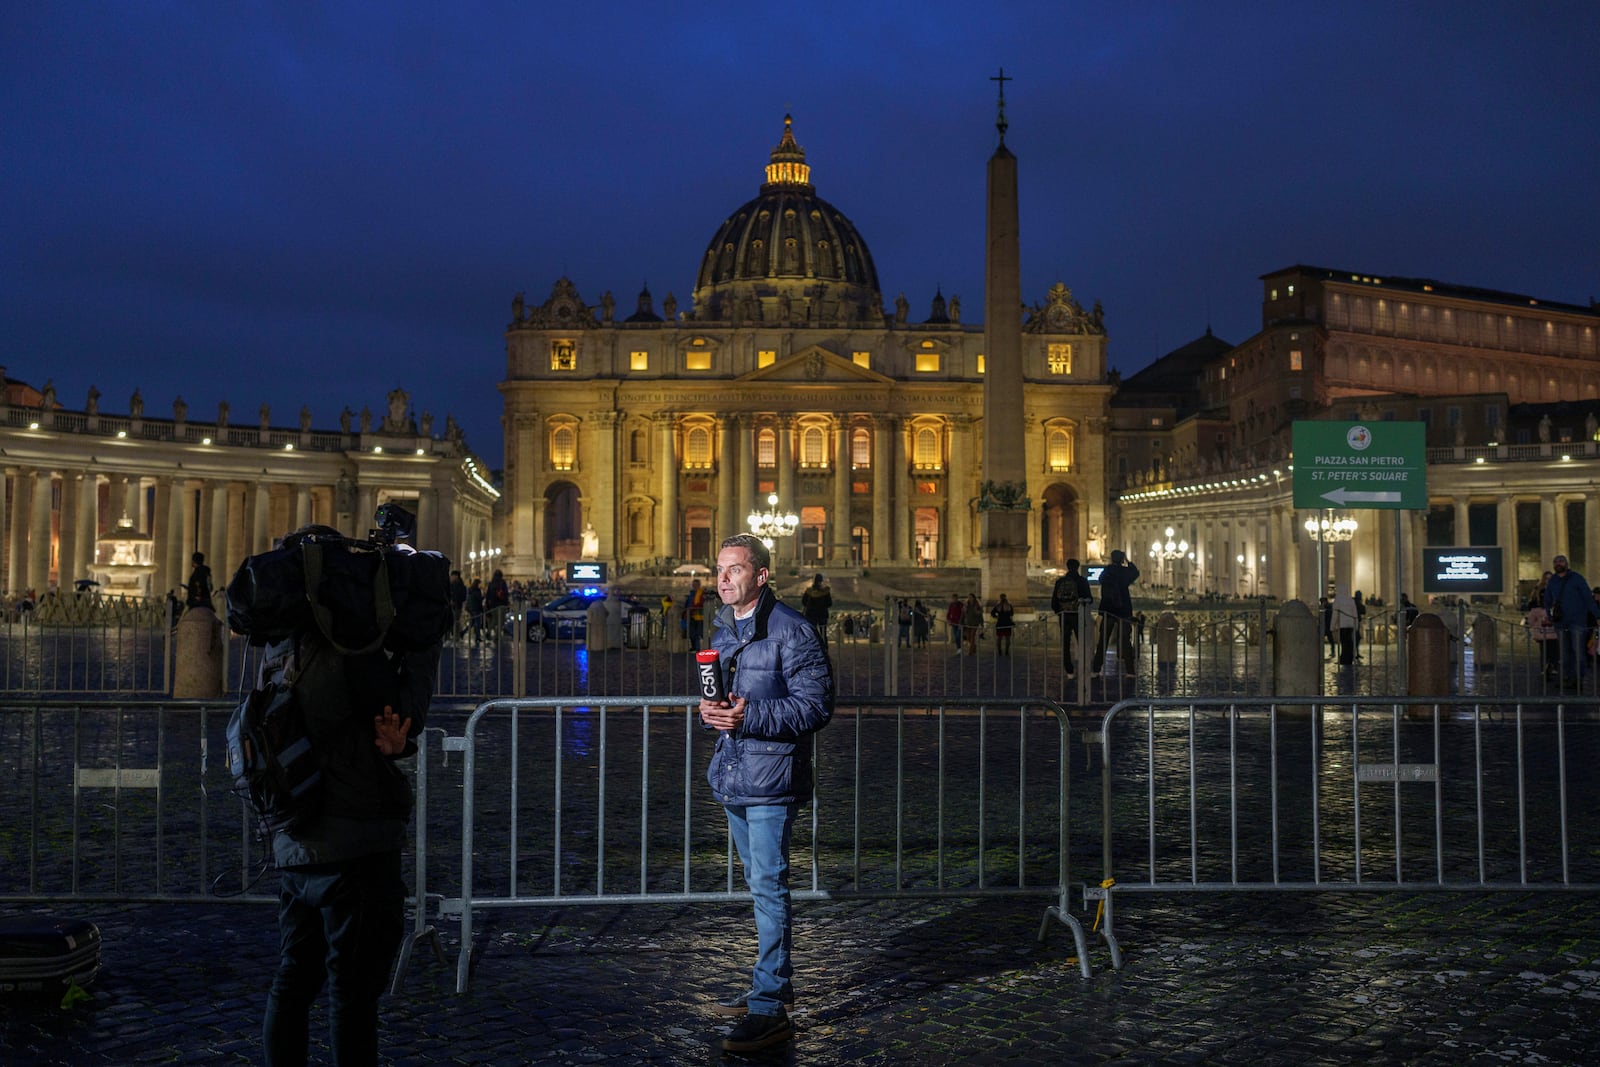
(1057, 317)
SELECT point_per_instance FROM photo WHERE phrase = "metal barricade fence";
(1347, 794)
(123, 801)
(603, 801)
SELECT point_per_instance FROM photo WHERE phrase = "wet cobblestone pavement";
(1258, 979)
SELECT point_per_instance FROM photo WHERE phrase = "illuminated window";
(563, 447)
(1155, 420)
(638, 448)
(860, 449)
(982, 364)
(697, 449)
(1296, 361)
(1059, 447)
(811, 450)
(925, 450)
(1059, 357)
(927, 361)
(697, 359)
(563, 355)
(638, 361)
(766, 449)
(861, 359)
(766, 357)
(1291, 290)
(1274, 295)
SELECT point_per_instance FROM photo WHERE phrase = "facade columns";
(729, 519)
(217, 554)
(1591, 534)
(261, 518)
(1548, 543)
(958, 493)
(785, 485)
(746, 434)
(1463, 528)
(883, 431)
(839, 526)
(668, 542)
(602, 504)
(902, 493)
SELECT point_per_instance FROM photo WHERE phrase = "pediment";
(815, 365)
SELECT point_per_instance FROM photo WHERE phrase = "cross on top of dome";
(788, 166)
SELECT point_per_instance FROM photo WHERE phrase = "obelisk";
(1003, 502)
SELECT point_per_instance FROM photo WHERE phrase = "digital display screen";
(1476, 569)
(1093, 572)
(586, 571)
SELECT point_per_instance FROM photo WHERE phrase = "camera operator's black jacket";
(366, 799)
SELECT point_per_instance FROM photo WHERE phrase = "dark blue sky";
(313, 204)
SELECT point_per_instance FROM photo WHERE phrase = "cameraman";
(341, 897)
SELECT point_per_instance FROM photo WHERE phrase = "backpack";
(360, 596)
(270, 755)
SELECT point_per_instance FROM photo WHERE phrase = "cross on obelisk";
(1000, 123)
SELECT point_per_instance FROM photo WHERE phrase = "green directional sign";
(1360, 465)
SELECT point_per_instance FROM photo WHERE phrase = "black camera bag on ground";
(40, 954)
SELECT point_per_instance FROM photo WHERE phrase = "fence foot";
(1102, 893)
(431, 935)
(1064, 917)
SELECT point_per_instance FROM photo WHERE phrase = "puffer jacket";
(784, 674)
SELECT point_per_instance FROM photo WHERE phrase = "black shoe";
(738, 1005)
(756, 1032)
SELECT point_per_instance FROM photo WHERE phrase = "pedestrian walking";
(952, 621)
(816, 602)
(780, 692)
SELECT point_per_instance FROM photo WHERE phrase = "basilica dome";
(788, 255)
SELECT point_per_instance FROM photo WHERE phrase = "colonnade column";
(180, 527)
(67, 560)
(667, 540)
(839, 524)
(217, 546)
(1505, 535)
(21, 504)
(160, 537)
(1591, 535)
(883, 430)
(1548, 542)
(5, 577)
(39, 533)
(88, 523)
(261, 518)
(299, 505)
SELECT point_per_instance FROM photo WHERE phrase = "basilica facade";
(786, 379)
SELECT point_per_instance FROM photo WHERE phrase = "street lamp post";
(1168, 551)
(772, 524)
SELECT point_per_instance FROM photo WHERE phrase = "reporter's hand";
(723, 716)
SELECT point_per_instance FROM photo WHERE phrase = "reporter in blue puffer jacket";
(780, 686)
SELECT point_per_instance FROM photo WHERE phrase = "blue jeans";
(761, 834)
(342, 923)
(1574, 642)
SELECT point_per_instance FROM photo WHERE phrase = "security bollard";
(594, 635)
(1296, 652)
(1166, 641)
(1428, 657)
(1485, 635)
(197, 667)
(677, 635)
